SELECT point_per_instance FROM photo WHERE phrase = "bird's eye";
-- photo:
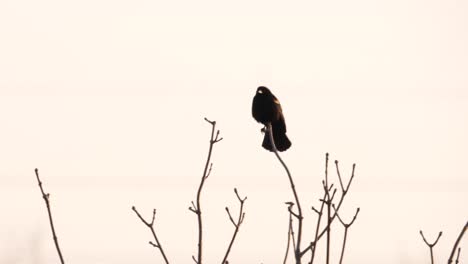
(260, 91)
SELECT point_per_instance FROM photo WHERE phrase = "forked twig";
(430, 245)
(150, 225)
(46, 200)
(343, 195)
(236, 224)
(346, 226)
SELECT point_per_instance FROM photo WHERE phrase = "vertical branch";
(236, 224)
(46, 200)
(289, 239)
(196, 208)
(345, 236)
(150, 225)
(457, 242)
(299, 216)
(290, 232)
(430, 245)
(320, 213)
(328, 199)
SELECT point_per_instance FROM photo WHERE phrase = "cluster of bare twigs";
(196, 207)
(455, 246)
(328, 202)
(328, 211)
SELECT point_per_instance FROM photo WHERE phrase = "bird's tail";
(282, 142)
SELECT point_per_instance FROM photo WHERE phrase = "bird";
(266, 108)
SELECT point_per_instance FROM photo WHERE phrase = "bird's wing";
(279, 112)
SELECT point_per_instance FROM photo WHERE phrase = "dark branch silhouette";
(236, 224)
(430, 245)
(288, 243)
(196, 208)
(457, 242)
(343, 195)
(313, 244)
(458, 256)
(346, 226)
(46, 200)
(150, 225)
(298, 215)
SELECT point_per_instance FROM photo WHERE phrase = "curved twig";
(457, 242)
(299, 216)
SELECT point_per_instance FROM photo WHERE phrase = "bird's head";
(263, 90)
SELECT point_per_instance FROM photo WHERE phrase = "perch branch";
(150, 225)
(299, 216)
(46, 200)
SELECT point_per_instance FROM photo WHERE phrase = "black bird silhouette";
(267, 109)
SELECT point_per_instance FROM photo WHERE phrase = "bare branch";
(237, 224)
(46, 200)
(346, 226)
(299, 216)
(150, 225)
(339, 175)
(352, 221)
(458, 256)
(343, 195)
(430, 245)
(313, 245)
(206, 172)
(289, 239)
(457, 242)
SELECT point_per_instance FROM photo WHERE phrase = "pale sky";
(107, 99)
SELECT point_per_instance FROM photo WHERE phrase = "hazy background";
(107, 99)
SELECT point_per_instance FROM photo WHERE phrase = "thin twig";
(458, 256)
(346, 226)
(314, 243)
(289, 239)
(343, 195)
(457, 242)
(150, 225)
(206, 172)
(430, 245)
(328, 203)
(236, 224)
(46, 200)
(299, 216)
